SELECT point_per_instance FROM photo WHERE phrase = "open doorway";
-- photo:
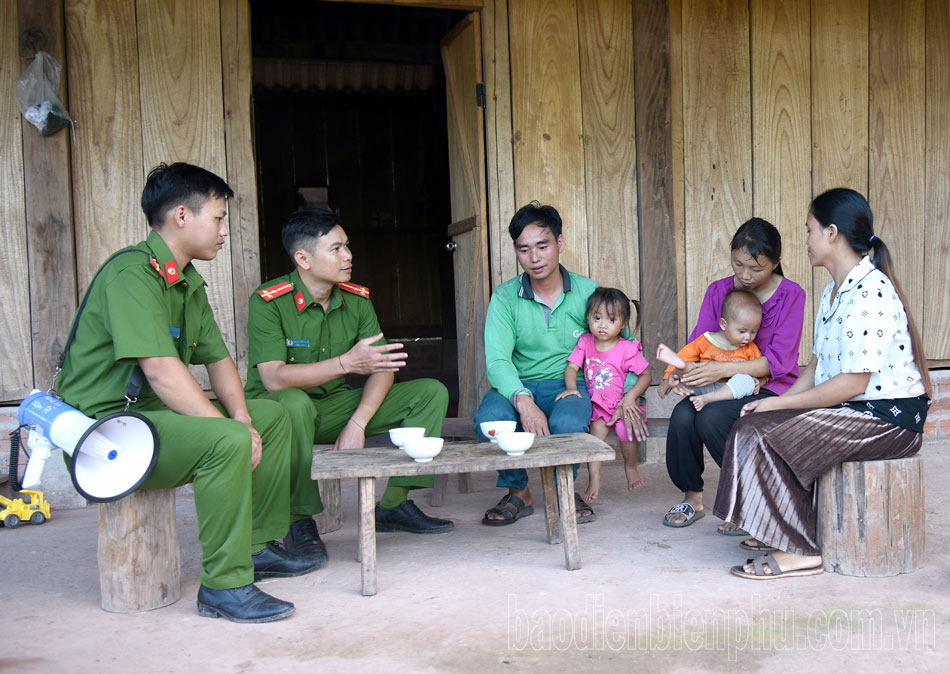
(350, 112)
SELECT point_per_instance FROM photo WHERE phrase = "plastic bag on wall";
(36, 95)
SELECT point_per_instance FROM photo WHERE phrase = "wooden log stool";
(139, 555)
(871, 517)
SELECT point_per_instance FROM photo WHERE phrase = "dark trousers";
(689, 430)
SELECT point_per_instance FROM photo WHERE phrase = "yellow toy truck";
(31, 508)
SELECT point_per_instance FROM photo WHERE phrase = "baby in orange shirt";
(741, 318)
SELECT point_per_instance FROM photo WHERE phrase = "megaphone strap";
(137, 378)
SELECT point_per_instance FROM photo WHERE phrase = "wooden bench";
(871, 517)
(139, 554)
(550, 453)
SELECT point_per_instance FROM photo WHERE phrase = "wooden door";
(462, 58)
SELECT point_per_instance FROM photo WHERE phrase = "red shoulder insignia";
(275, 291)
(171, 272)
(300, 301)
(362, 291)
(156, 267)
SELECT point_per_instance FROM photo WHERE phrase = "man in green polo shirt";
(146, 311)
(532, 325)
(306, 331)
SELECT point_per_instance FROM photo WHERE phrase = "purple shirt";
(780, 334)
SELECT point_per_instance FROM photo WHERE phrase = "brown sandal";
(511, 508)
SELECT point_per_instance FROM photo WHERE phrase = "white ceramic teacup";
(422, 449)
(515, 444)
(398, 435)
(491, 429)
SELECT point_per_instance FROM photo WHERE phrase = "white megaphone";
(111, 457)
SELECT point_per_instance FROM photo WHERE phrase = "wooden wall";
(16, 352)
(655, 126)
(147, 82)
(772, 102)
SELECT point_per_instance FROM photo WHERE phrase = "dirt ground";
(494, 600)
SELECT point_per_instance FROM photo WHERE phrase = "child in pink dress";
(607, 358)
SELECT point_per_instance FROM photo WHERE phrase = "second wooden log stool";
(871, 517)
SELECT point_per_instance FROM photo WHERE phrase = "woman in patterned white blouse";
(863, 396)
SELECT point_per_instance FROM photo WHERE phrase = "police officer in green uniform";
(147, 308)
(306, 331)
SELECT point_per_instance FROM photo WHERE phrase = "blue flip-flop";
(683, 509)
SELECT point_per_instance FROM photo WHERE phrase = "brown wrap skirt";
(772, 459)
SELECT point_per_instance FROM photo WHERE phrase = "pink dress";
(605, 373)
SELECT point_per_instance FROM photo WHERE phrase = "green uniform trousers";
(420, 402)
(236, 507)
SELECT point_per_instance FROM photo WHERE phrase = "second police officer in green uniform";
(306, 331)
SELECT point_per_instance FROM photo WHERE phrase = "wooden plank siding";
(897, 124)
(546, 117)
(499, 150)
(839, 48)
(183, 117)
(605, 30)
(717, 138)
(49, 215)
(781, 134)
(103, 66)
(935, 321)
(656, 170)
(679, 153)
(16, 353)
(237, 68)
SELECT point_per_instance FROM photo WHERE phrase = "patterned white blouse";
(865, 330)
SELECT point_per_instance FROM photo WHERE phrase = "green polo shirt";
(140, 306)
(291, 328)
(524, 339)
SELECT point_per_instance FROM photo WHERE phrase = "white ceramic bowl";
(398, 435)
(491, 429)
(515, 444)
(422, 449)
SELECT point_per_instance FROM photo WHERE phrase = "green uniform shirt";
(140, 306)
(292, 328)
(523, 340)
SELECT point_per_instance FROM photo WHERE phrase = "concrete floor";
(489, 600)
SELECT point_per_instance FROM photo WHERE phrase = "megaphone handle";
(40, 449)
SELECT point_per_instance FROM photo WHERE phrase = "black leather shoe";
(276, 562)
(245, 604)
(303, 540)
(407, 517)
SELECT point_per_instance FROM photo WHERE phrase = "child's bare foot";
(593, 481)
(634, 481)
(593, 489)
(670, 357)
(699, 402)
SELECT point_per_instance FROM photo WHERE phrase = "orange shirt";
(703, 349)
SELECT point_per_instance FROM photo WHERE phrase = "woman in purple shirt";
(756, 263)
